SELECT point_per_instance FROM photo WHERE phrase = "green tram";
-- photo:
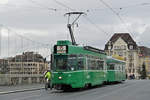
(76, 66)
(115, 70)
(83, 66)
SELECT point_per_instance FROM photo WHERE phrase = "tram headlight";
(60, 77)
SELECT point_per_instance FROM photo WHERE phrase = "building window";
(111, 67)
(116, 47)
(130, 65)
(129, 70)
(133, 70)
(123, 47)
(120, 53)
(131, 47)
(109, 47)
(124, 53)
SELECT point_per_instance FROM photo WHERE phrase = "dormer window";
(109, 47)
(131, 47)
(123, 47)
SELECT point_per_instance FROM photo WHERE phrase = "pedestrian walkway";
(20, 87)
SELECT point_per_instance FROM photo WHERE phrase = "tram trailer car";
(115, 70)
(78, 67)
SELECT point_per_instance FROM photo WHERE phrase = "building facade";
(26, 68)
(4, 66)
(144, 58)
(123, 45)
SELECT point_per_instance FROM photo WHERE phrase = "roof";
(144, 51)
(114, 60)
(28, 57)
(63, 42)
(125, 36)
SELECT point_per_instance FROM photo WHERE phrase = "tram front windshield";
(61, 62)
(65, 63)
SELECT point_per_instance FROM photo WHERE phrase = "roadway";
(128, 90)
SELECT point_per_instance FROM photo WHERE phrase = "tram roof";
(77, 49)
(110, 59)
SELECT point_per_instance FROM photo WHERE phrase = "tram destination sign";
(61, 49)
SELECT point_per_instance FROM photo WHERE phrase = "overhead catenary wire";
(89, 20)
(72, 9)
(43, 6)
(96, 26)
(135, 5)
(63, 5)
(100, 29)
(21, 45)
(117, 14)
(21, 36)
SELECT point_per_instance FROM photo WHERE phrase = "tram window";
(120, 67)
(72, 62)
(61, 63)
(100, 64)
(116, 67)
(111, 67)
(123, 67)
(80, 64)
(89, 63)
(92, 64)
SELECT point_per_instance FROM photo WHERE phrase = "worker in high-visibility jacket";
(48, 79)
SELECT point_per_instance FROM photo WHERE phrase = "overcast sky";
(38, 20)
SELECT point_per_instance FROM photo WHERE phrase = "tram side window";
(123, 68)
(80, 63)
(100, 64)
(72, 61)
(89, 63)
(120, 67)
(92, 64)
(116, 66)
(111, 67)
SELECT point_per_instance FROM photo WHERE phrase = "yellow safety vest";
(48, 75)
